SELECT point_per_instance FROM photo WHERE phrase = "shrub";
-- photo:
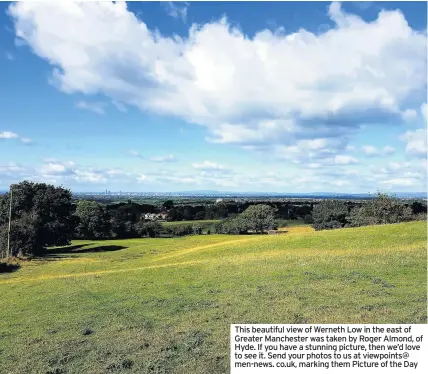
(180, 230)
(330, 225)
(381, 210)
(197, 229)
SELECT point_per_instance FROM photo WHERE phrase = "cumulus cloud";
(409, 115)
(372, 151)
(303, 86)
(13, 135)
(8, 135)
(416, 142)
(345, 160)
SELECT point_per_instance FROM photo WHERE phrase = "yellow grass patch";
(201, 247)
(296, 229)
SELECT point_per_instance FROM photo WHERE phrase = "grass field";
(165, 305)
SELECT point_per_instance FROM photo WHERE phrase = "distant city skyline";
(282, 97)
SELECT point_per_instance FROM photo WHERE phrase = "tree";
(168, 204)
(49, 208)
(152, 229)
(258, 218)
(383, 209)
(200, 215)
(121, 229)
(23, 236)
(94, 220)
(330, 214)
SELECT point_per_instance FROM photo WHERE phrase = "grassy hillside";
(165, 305)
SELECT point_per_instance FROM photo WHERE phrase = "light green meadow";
(166, 305)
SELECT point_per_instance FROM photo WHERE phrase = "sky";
(230, 96)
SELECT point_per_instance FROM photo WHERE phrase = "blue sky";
(239, 96)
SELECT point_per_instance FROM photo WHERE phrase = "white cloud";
(424, 111)
(167, 158)
(119, 106)
(135, 153)
(400, 182)
(301, 85)
(11, 168)
(53, 167)
(143, 178)
(345, 160)
(388, 150)
(8, 135)
(208, 166)
(158, 159)
(372, 151)
(96, 107)
(416, 142)
(89, 176)
(177, 10)
(409, 115)
(26, 140)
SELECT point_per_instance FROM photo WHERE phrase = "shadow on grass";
(8, 268)
(78, 249)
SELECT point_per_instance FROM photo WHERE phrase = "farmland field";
(165, 305)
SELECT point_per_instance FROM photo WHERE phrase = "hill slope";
(165, 305)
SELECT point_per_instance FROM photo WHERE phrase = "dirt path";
(202, 247)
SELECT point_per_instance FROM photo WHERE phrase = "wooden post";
(8, 253)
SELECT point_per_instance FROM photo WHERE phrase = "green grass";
(165, 305)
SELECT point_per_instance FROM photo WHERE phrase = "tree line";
(44, 215)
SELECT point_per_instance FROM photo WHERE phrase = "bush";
(330, 225)
(197, 229)
(180, 230)
(381, 210)
(419, 217)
